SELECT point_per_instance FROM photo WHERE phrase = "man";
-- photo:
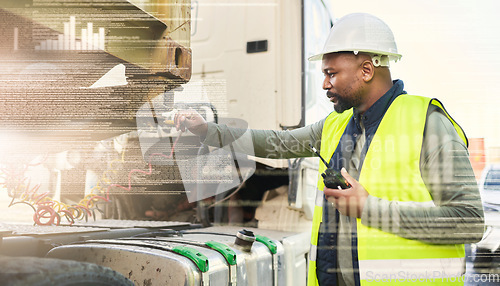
(412, 202)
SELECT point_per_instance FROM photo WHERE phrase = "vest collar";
(374, 114)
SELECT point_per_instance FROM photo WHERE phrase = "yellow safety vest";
(391, 171)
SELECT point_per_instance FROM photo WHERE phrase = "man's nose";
(326, 83)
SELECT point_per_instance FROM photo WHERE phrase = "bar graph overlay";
(68, 41)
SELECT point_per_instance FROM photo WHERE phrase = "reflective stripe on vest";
(390, 170)
(431, 268)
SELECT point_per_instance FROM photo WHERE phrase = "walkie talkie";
(332, 178)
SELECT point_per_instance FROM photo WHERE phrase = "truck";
(99, 187)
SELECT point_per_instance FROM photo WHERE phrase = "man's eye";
(330, 75)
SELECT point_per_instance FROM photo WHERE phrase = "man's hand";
(349, 201)
(191, 120)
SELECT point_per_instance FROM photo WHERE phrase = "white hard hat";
(361, 32)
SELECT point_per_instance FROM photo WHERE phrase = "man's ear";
(367, 70)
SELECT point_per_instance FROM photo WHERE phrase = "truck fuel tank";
(195, 258)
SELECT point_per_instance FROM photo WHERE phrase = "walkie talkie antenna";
(317, 153)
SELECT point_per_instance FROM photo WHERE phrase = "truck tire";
(482, 258)
(31, 271)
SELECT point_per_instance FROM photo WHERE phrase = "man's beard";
(342, 104)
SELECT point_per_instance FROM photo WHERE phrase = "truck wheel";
(31, 271)
(482, 258)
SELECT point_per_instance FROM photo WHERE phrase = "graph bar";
(84, 40)
(72, 30)
(68, 41)
(90, 36)
(66, 36)
(16, 39)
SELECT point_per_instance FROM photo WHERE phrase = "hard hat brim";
(392, 56)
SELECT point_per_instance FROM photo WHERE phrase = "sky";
(450, 51)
